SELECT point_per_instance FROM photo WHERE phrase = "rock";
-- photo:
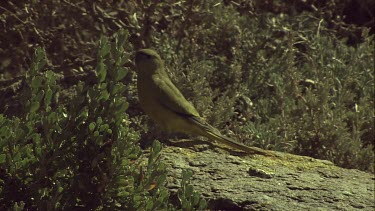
(256, 182)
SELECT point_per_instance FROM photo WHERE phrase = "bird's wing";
(172, 98)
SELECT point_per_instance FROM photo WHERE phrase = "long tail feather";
(212, 133)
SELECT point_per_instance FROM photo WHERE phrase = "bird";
(162, 101)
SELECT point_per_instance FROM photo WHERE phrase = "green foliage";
(307, 91)
(310, 91)
(82, 155)
(319, 104)
(275, 73)
(189, 199)
(327, 118)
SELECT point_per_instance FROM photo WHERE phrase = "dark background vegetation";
(294, 76)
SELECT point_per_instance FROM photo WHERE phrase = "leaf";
(2, 158)
(149, 205)
(41, 64)
(36, 82)
(36, 138)
(195, 200)
(189, 190)
(84, 113)
(162, 178)
(185, 205)
(92, 126)
(5, 132)
(99, 120)
(104, 96)
(104, 47)
(34, 107)
(96, 133)
(51, 77)
(202, 204)
(52, 117)
(164, 194)
(156, 147)
(103, 127)
(102, 86)
(121, 38)
(39, 96)
(137, 200)
(121, 73)
(39, 54)
(38, 151)
(118, 89)
(102, 72)
(123, 59)
(48, 97)
(186, 174)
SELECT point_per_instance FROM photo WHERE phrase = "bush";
(290, 75)
(81, 155)
(294, 84)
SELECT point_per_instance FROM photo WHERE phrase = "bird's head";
(148, 61)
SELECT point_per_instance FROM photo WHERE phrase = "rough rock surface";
(230, 181)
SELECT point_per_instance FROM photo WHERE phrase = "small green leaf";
(48, 97)
(123, 59)
(149, 205)
(84, 113)
(123, 194)
(189, 190)
(163, 194)
(36, 138)
(39, 96)
(156, 147)
(104, 96)
(103, 86)
(121, 73)
(52, 117)
(34, 107)
(120, 106)
(185, 205)
(39, 54)
(121, 37)
(38, 151)
(202, 204)
(195, 200)
(36, 82)
(2, 158)
(102, 72)
(186, 174)
(103, 127)
(5, 132)
(51, 77)
(104, 47)
(41, 64)
(125, 162)
(99, 121)
(92, 126)
(96, 133)
(161, 180)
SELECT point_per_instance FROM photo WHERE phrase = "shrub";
(80, 155)
(283, 75)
